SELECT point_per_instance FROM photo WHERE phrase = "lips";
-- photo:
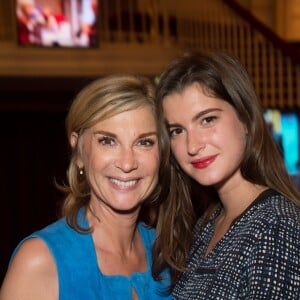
(203, 162)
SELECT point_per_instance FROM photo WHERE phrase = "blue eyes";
(110, 141)
(146, 142)
(106, 140)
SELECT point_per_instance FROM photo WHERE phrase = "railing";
(215, 24)
(144, 21)
(273, 64)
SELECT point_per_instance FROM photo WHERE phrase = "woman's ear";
(74, 139)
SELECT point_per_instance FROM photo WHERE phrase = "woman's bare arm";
(32, 274)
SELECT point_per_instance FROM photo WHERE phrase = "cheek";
(97, 161)
(177, 149)
(238, 142)
(149, 161)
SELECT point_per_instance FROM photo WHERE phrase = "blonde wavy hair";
(100, 100)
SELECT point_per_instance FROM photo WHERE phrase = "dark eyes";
(204, 122)
(208, 120)
(175, 131)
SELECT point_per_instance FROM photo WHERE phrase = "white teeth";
(123, 184)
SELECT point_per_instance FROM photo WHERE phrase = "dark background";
(34, 151)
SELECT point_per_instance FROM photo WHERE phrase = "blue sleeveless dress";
(79, 276)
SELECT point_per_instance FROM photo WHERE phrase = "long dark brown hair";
(224, 77)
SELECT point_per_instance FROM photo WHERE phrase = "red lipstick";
(203, 162)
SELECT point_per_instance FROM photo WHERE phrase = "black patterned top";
(258, 258)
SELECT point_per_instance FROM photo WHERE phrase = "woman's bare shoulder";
(31, 274)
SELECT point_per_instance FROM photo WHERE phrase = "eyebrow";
(204, 112)
(196, 117)
(104, 133)
(146, 134)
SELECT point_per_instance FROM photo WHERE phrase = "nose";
(127, 160)
(195, 143)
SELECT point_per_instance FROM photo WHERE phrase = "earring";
(81, 172)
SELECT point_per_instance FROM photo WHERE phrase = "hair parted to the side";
(100, 100)
(223, 76)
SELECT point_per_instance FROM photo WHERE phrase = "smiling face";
(120, 156)
(207, 138)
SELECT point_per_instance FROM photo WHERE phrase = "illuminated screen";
(57, 23)
(286, 132)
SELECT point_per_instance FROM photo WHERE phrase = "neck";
(238, 197)
(113, 230)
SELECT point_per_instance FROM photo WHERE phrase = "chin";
(206, 181)
(128, 209)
